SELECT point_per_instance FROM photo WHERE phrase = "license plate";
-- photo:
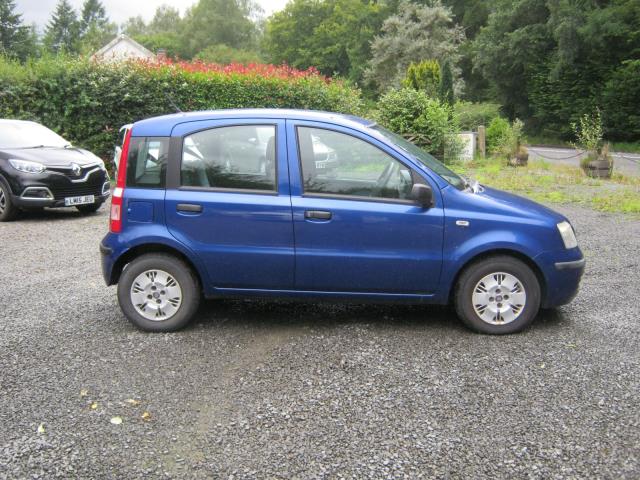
(83, 200)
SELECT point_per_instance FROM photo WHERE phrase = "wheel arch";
(495, 253)
(146, 248)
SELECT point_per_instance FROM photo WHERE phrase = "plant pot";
(600, 168)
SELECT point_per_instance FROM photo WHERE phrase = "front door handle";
(317, 214)
(189, 207)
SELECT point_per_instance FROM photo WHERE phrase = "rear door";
(356, 227)
(228, 200)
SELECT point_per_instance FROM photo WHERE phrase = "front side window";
(335, 163)
(147, 162)
(241, 157)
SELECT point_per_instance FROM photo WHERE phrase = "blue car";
(321, 206)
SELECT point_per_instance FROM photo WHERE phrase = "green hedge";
(88, 102)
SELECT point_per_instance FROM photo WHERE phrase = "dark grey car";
(39, 168)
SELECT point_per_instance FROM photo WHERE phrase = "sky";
(39, 11)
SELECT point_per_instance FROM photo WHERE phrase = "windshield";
(423, 157)
(19, 134)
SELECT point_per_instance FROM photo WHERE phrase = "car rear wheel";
(498, 295)
(7, 209)
(90, 208)
(158, 293)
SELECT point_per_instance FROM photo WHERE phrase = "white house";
(123, 48)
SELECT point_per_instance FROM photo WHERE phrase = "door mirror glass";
(422, 195)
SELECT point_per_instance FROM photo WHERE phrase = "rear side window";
(241, 157)
(147, 162)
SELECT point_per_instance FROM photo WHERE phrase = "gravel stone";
(256, 389)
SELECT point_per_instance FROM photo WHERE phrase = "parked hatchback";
(234, 203)
(39, 168)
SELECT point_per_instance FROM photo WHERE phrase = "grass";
(548, 183)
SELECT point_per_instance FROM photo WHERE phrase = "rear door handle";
(189, 207)
(317, 214)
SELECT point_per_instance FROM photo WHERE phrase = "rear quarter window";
(147, 162)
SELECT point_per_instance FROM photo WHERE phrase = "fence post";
(482, 141)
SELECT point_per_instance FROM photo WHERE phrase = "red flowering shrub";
(87, 102)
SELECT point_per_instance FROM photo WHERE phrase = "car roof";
(12, 120)
(163, 125)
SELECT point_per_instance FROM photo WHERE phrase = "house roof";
(123, 38)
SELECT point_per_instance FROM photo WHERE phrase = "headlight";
(26, 166)
(567, 234)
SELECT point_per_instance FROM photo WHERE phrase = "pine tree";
(15, 38)
(93, 13)
(63, 31)
(95, 28)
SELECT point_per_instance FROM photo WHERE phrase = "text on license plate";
(82, 200)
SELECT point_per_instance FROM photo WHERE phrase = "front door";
(228, 200)
(356, 228)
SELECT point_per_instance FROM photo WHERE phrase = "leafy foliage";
(224, 54)
(331, 35)
(588, 132)
(63, 30)
(424, 76)
(620, 102)
(16, 39)
(415, 33)
(87, 102)
(446, 84)
(471, 115)
(415, 115)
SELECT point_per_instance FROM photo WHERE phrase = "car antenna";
(171, 102)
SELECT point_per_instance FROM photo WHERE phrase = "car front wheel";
(7, 209)
(497, 295)
(158, 293)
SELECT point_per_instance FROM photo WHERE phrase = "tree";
(166, 19)
(16, 39)
(63, 30)
(211, 22)
(95, 28)
(134, 26)
(424, 76)
(446, 84)
(332, 35)
(415, 33)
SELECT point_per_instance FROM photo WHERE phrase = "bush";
(413, 114)
(424, 76)
(498, 133)
(471, 115)
(87, 102)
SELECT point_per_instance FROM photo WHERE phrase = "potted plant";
(518, 155)
(598, 163)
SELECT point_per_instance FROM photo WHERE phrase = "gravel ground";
(288, 390)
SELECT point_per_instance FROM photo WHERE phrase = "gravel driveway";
(290, 390)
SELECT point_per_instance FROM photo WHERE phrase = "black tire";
(8, 210)
(180, 272)
(473, 274)
(90, 208)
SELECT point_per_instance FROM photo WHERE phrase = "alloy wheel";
(156, 295)
(499, 298)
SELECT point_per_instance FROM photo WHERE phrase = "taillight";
(115, 220)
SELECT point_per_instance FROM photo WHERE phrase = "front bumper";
(563, 272)
(49, 189)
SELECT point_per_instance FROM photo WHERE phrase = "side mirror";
(422, 195)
